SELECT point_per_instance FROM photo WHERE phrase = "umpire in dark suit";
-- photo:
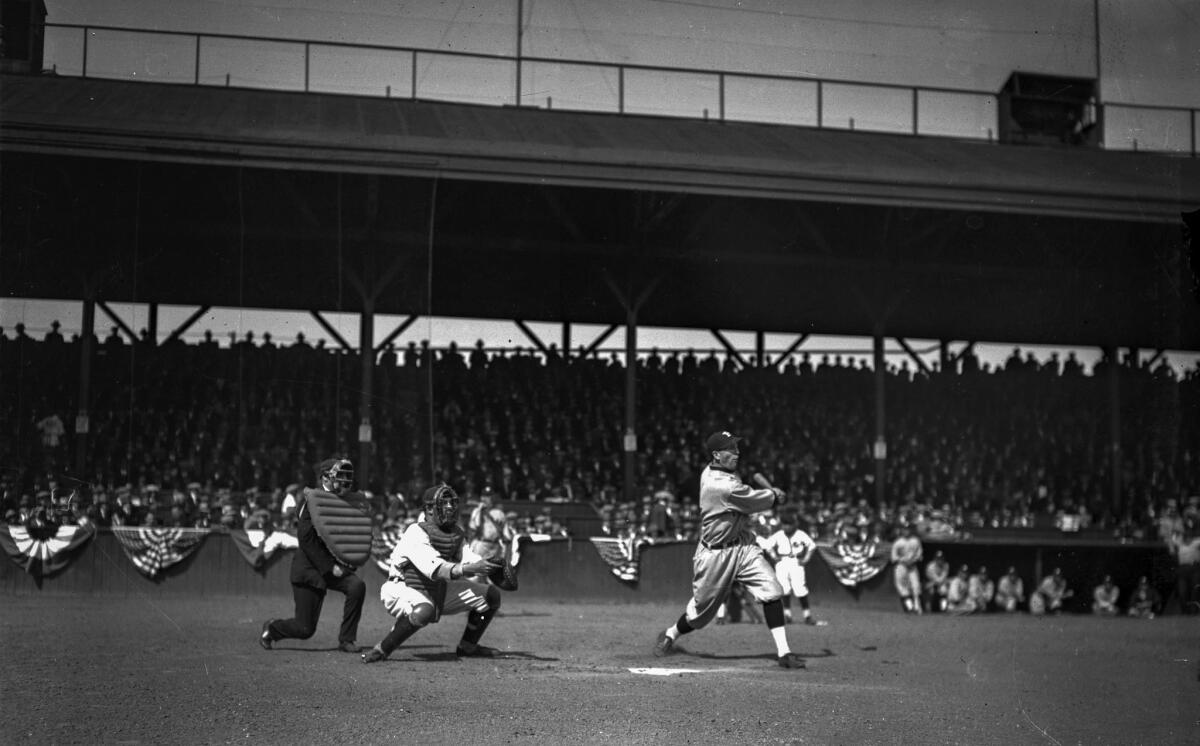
(315, 571)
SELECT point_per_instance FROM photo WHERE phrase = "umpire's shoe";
(349, 647)
(663, 645)
(791, 660)
(265, 638)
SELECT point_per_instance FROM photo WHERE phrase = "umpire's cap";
(722, 440)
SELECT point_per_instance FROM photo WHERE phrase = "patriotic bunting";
(621, 556)
(154, 549)
(382, 543)
(44, 552)
(257, 546)
(852, 564)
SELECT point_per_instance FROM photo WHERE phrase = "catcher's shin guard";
(477, 622)
(401, 631)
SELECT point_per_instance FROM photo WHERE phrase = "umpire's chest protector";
(343, 523)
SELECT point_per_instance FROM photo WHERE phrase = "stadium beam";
(187, 324)
(912, 353)
(729, 348)
(117, 320)
(537, 342)
(86, 340)
(880, 448)
(792, 348)
(366, 334)
(329, 329)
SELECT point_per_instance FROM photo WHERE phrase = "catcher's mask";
(441, 505)
(338, 475)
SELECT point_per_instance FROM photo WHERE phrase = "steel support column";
(879, 449)
(366, 347)
(82, 425)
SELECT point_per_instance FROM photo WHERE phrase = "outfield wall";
(572, 570)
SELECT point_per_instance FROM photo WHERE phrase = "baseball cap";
(722, 440)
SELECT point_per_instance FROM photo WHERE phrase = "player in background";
(906, 554)
(937, 582)
(427, 577)
(315, 570)
(1104, 598)
(489, 530)
(1010, 591)
(727, 552)
(791, 548)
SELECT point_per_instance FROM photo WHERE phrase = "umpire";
(315, 571)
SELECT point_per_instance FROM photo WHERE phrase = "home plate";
(663, 671)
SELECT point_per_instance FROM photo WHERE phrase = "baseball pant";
(309, 601)
(714, 572)
(792, 577)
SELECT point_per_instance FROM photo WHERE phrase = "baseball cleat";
(374, 655)
(265, 638)
(467, 650)
(791, 660)
(663, 645)
(349, 647)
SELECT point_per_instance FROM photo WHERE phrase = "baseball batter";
(791, 547)
(727, 552)
(427, 578)
(489, 530)
(906, 554)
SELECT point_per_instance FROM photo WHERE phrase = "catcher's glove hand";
(503, 575)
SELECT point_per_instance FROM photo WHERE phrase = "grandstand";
(202, 195)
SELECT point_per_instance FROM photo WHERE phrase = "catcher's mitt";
(503, 576)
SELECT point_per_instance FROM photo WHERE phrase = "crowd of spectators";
(209, 434)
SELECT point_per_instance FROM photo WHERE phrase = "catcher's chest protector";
(344, 524)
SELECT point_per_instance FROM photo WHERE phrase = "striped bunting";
(852, 564)
(42, 553)
(621, 556)
(154, 549)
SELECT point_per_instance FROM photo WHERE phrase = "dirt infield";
(138, 670)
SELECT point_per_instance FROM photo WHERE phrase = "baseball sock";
(477, 621)
(773, 614)
(804, 605)
(401, 631)
(679, 628)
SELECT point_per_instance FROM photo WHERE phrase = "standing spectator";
(906, 553)
(1050, 594)
(1104, 597)
(315, 570)
(1185, 548)
(1145, 602)
(489, 530)
(937, 582)
(52, 429)
(982, 589)
(1010, 591)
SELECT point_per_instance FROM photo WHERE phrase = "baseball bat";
(761, 481)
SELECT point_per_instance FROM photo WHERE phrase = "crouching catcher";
(427, 577)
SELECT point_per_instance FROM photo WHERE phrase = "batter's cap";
(722, 440)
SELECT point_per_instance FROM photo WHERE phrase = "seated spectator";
(1010, 591)
(1104, 597)
(1146, 601)
(1050, 594)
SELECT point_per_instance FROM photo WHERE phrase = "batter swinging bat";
(761, 481)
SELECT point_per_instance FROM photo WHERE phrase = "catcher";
(327, 557)
(427, 578)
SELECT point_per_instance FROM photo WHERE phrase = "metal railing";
(309, 65)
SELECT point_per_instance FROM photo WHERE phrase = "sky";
(1146, 53)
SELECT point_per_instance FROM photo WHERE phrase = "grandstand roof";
(541, 214)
